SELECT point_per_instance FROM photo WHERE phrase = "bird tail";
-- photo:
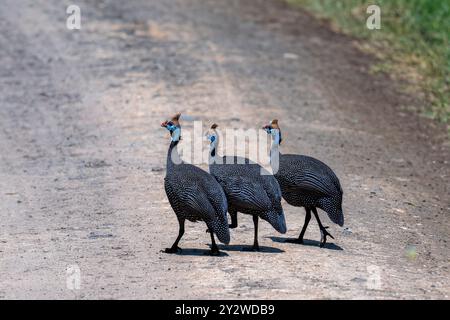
(333, 207)
(221, 229)
(337, 216)
(341, 219)
(224, 236)
(276, 219)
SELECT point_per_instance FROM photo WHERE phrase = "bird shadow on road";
(243, 248)
(198, 252)
(306, 242)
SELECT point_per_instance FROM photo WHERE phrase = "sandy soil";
(82, 156)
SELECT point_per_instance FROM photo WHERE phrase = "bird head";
(213, 136)
(174, 127)
(274, 130)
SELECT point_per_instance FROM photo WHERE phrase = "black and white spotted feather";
(196, 196)
(248, 190)
(308, 182)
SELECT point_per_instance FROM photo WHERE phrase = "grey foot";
(172, 250)
(323, 236)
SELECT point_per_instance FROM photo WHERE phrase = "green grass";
(413, 42)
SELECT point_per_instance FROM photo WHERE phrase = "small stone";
(95, 235)
(411, 252)
(290, 56)
(347, 231)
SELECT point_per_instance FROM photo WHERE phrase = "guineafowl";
(247, 190)
(193, 193)
(306, 182)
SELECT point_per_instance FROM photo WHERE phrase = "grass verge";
(413, 43)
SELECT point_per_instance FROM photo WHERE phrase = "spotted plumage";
(248, 187)
(193, 193)
(306, 182)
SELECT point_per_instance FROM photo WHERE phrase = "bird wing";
(197, 192)
(195, 199)
(309, 182)
(216, 196)
(246, 192)
(306, 174)
(272, 187)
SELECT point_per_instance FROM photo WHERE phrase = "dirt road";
(82, 156)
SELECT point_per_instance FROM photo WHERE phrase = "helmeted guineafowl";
(193, 193)
(306, 182)
(247, 190)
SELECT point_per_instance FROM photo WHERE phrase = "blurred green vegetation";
(413, 42)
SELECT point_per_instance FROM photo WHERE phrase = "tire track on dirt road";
(83, 157)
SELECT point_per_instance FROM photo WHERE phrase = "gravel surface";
(82, 156)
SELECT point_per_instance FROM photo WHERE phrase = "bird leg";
(305, 225)
(214, 248)
(175, 248)
(255, 241)
(323, 230)
(234, 221)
